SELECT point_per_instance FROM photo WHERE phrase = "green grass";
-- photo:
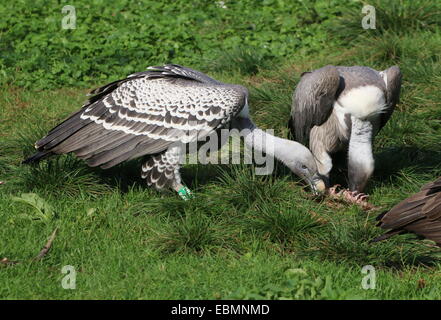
(243, 236)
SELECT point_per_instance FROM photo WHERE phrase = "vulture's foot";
(354, 197)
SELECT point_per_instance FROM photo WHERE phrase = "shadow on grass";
(392, 160)
(241, 204)
(389, 162)
(349, 242)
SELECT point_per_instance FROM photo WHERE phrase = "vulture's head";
(304, 165)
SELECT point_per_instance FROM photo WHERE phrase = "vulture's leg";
(162, 171)
(360, 159)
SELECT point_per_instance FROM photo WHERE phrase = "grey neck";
(262, 141)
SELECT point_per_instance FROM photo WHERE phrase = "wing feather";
(145, 114)
(392, 77)
(313, 100)
(420, 214)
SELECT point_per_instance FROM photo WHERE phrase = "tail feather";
(387, 235)
(291, 133)
(36, 157)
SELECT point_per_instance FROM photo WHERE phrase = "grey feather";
(180, 71)
(144, 114)
(313, 100)
(393, 89)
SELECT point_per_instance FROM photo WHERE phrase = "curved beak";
(316, 183)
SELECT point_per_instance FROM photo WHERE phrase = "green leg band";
(185, 193)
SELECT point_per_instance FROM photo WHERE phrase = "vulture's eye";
(304, 167)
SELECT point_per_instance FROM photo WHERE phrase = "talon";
(333, 190)
(354, 197)
(348, 194)
(358, 196)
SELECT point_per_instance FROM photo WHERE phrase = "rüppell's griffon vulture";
(342, 108)
(155, 114)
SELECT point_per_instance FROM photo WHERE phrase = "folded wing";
(313, 100)
(420, 214)
(144, 114)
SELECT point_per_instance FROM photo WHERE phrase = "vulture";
(337, 108)
(156, 114)
(420, 214)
